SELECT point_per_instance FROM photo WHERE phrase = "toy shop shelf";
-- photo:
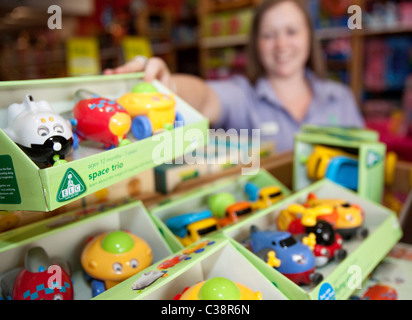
(64, 236)
(363, 255)
(37, 189)
(344, 32)
(218, 6)
(224, 41)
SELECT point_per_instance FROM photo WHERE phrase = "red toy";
(38, 280)
(329, 243)
(101, 120)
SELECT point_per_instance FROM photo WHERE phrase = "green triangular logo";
(71, 186)
(373, 158)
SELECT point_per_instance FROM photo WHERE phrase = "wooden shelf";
(224, 41)
(218, 6)
(344, 32)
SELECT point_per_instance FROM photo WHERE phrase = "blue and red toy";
(100, 120)
(290, 257)
(40, 279)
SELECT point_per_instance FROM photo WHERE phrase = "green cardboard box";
(63, 237)
(197, 200)
(339, 278)
(363, 171)
(210, 258)
(24, 186)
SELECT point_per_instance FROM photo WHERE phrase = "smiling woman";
(284, 87)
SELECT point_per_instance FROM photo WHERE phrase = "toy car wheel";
(141, 127)
(316, 278)
(97, 287)
(179, 122)
(362, 233)
(340, 255)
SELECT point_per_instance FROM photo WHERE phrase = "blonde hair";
(255, 69)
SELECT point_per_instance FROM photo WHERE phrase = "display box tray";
(339, 278)
(211, 257)
(197, 200)
(63, 237)
(26, 186)
(353, 158)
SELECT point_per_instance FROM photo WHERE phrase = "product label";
(71, 186)
(373, 158)
(9, 189)
(326, 292)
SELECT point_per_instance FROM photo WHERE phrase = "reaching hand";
(154, 68)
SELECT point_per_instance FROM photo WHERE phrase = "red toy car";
(101, 120)
(328, 243)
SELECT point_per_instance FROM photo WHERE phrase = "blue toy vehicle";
(291, 258)
(344, 171)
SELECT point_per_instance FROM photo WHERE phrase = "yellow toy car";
(198, 229)
(112, 257)
(348, 217)
(218, 288)
(151, 110)
(190, 227)
(318, 161)
(262, 198)
(296, 217)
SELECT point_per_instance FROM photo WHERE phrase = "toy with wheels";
(191, 227)
(151, 110)
(218, 288)
(45, 136)
(281, 251)
(262, 198)
(328, 243)
(347, 219)
(39, 279)
(100, 120)
(295, 218)
(112, 257)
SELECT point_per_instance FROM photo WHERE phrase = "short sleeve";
(234, 100)
(352, 114)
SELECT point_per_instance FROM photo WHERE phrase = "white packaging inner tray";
(227, 263)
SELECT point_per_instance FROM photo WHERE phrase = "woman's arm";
(192, 89)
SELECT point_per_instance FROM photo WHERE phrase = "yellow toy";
(295, 217)
(112, 257)
(262, 198)
(347, 217)
(198, 229)
(151, 110)
(317, 162)
(218, 288)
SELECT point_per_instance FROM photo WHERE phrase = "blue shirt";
(245, 106)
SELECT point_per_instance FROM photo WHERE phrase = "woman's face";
(283, 40)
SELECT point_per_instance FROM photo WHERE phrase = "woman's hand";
(153, 68)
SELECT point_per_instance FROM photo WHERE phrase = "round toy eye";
(134, 263)
(58, 128)
(42, 131)
(117, 267)
(298, 258)
(349, 217)
(58, 296)
(109, 109)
